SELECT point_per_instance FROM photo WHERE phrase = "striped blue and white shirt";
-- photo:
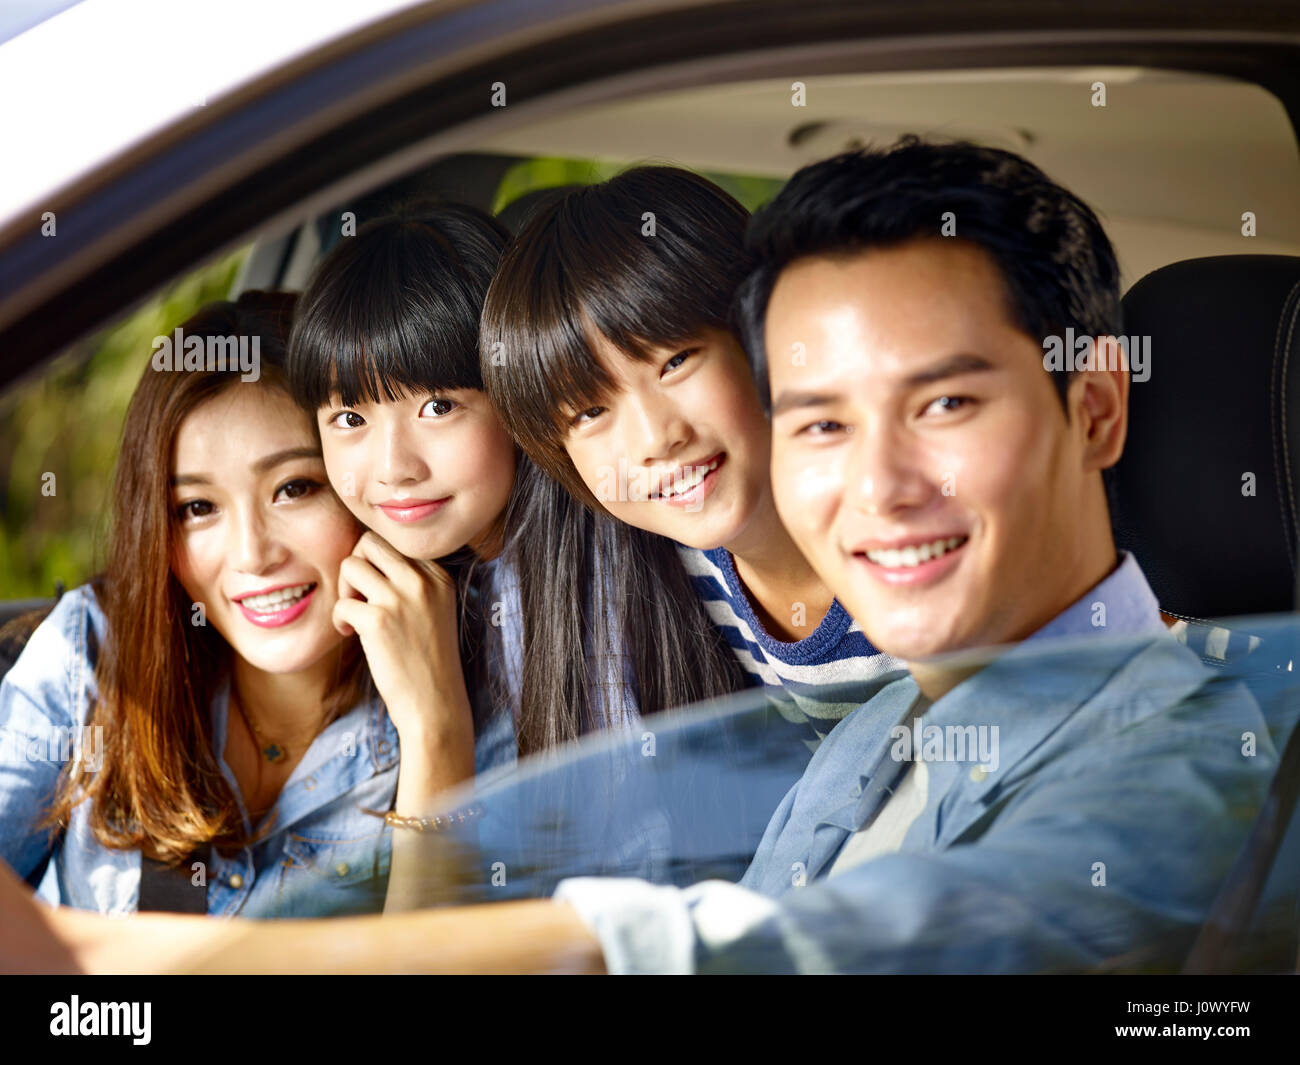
(829, 673)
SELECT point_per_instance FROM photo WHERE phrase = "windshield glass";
(1082, 813)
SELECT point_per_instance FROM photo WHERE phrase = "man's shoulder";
(1165, 703)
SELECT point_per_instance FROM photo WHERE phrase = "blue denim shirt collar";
(1120, 605)
(352, 748)
(1000, 697)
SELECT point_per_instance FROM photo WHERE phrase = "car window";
(1178, 164)
(686, 796)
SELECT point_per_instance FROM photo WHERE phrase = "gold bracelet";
(433, 824)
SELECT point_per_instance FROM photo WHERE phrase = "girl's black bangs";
(389, 317)
(637, 298)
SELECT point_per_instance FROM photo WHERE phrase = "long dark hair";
(646, 259)
(160, 785)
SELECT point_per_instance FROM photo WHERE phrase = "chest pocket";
(333, 877)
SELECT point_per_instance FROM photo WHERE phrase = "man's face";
(921, 457)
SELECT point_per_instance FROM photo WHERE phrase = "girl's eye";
(347, 419)
(676, 361)
(947, 404)
(437, 408)
(297, 488)
(194, 509)
(590, 414)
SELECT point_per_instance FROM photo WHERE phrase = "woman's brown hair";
(160, 786)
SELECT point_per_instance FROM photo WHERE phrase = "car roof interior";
(1171, 161)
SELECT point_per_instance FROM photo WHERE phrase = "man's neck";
(936, 678)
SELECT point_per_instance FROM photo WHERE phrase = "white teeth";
(688, 479)
(273, 601)
(914, 554)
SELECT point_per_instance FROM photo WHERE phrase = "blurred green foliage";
(67, 421)
(545, 172)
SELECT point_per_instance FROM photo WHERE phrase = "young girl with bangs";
(453, 591)
(616, 367)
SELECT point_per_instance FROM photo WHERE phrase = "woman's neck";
(788, 597)
(287, 708)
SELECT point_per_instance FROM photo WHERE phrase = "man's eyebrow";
(952, 366)
(789, 400)
(268, 462)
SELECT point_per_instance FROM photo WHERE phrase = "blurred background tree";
(67, 421)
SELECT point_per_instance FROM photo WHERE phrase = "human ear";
(1099, 402)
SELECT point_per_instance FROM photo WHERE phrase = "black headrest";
(1217, 420)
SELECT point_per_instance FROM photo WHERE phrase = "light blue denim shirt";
(321, 855)
(1121, 794)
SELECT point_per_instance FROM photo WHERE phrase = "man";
(947, 485)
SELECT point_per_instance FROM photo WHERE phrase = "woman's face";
(430, 473)
(260, 535)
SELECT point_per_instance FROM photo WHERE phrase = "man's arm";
(1116, 848)
(533, 936)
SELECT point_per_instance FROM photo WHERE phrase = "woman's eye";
(676, 361)
(347, 419)
(437, 408)
(947, 404)
(297, 488)
(194, 509)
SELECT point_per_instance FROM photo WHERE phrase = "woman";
(193, 717)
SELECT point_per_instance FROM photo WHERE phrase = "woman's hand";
(405, 613)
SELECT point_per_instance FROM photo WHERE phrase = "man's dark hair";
(1056, 262)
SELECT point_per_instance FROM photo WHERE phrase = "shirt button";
(384, 747)
(341, 868)
(236, 881)
(979, 774)
(309, 783)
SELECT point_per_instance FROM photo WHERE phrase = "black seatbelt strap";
(171, 888)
